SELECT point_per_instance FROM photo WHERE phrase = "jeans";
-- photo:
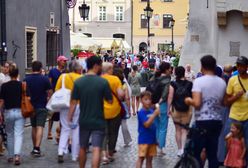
(67, 132)
(125, 132)
(207, 140)
(162, 124)
(14, 129)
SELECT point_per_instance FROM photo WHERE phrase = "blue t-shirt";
(146, 135)
(54, 75)
(38, 85)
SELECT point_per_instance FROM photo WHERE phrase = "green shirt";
(91, 90)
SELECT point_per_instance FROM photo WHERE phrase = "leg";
(125, 132)
(149, 162)
(65, 133)
(18, 132)
(34, 135)
(163, 130)
(178, 136)
(96, 156)
(50, 125)
(133, 105)
(75, 136)
(114, 126)
(38, 136)
(137, 103)
(184, 134)
(10, 133)
(82, 157)
(139, 162)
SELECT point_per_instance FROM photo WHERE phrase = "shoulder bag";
(26, 106)
(60, 99)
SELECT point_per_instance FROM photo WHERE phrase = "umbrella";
(85, 54)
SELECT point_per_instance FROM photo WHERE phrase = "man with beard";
(237, 97)
(90, 90)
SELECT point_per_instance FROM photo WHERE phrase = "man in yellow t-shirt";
(237, 97)
(111, 111)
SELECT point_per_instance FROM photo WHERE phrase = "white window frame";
(29, 29)
(118, 13)
(101, 12)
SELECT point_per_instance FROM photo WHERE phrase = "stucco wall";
(213, 39)
(33, 13)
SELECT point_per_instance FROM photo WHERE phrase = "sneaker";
(105, 160)
(160, 153)
(180, 152)
(36, 153)
(60, 159)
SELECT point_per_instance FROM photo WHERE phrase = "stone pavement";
(125, 156)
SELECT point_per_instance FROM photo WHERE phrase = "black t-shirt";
(11, 93)
(182, 89)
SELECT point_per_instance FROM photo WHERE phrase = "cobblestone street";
(125, 156)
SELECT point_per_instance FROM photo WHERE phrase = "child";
(147, 131)
(236, 147)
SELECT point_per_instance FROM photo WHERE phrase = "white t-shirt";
(212, 89)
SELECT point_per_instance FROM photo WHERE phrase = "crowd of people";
(107, 92)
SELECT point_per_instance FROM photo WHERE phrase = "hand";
(240, 94)
(156, 112)
(187, 100)
(229, 135)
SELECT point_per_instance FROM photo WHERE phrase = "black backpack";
(182, 91)
(156, 88)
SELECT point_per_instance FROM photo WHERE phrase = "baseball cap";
(242, 60)
(62, 58)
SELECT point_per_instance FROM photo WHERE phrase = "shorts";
(97, 137)
(147, 150)
(181, 117)
(39, 118)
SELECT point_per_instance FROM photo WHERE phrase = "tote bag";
(26, 106)
(60, 99)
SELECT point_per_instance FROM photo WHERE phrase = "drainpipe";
(132, 25)
(3, 31)
(61, 26)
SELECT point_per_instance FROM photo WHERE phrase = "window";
(164, 47)
(234, 49)
(143, 21)
(166, 20)
(30, 46)
(102, 13)
(52, 48)
(119, 13)
(167, 0)
(119, 36)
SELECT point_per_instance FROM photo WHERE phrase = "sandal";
(17, 160)
(105, 160)
(49, 136)
(10, 160)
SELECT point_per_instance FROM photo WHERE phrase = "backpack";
(182, 91)
(156, 88)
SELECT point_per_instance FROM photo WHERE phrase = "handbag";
(60, 99)
(26, 106)
(124, 111)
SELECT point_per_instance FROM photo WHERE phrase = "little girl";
(235, 147)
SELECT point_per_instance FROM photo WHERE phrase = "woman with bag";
(69, 129)
(180, 112)
(10, 99)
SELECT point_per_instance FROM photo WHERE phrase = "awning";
(80, 41)
(106, 43)
(124, 45)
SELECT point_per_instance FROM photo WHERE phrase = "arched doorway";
(142, 47)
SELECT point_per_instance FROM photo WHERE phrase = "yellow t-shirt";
(112, 110)
(69, 80)
(239, 109)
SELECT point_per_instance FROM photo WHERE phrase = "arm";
(170, 98)
(127, 99)
(72, 108)
(244, 148)
(1, 107)
(230, 99)
(150, 120)
(195, 101)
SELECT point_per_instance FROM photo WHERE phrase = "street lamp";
(148, 13)
(84, 10)
(172, 23)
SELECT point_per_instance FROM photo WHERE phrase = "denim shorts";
(97, 137)
(39, 118)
